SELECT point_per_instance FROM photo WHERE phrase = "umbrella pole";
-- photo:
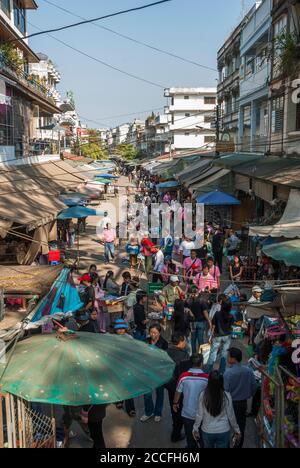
(78, 245)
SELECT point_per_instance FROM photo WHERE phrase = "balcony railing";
(24, 78)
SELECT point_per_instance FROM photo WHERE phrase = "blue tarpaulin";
(63, 298)
(217, 199)
(77, 212)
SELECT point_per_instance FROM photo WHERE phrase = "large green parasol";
(93, 369)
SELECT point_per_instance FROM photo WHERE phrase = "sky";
(194, 29)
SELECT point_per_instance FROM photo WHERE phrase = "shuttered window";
(277, 114)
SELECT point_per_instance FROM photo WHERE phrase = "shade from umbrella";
(91, 370)
(73, 201)
(287, 252)
(77, 212)
(218, 198)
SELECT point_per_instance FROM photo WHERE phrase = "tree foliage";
(127, 152)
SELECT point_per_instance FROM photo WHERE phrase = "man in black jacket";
(178, 353)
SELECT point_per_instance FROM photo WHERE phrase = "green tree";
(92, 148)
(127, 152)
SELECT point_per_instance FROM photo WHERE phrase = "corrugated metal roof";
(194, 170)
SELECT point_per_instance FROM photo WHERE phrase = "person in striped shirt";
(190, 385)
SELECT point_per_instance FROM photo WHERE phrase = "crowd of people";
(198, 298)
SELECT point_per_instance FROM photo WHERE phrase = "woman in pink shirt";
(214, 270)
(192, 266)
(204, 281)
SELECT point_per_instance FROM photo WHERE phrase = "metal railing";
(24, 78)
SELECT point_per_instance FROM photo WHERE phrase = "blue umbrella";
(77, 212)
(107, 176)
(217, 199)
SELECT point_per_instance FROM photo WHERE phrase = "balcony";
(258, 26)
(28, 84)
(230, 82)
(255, 81)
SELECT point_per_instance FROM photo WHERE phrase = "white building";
(47, 131)
(122, 133)
(192, 117)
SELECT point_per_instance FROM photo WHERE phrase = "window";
(19, 17)
(5, 6)
(187, 134)
(209, 118)
(277, 114)
(187, 114)
(6, 120)
(209, 100)
(186, 98)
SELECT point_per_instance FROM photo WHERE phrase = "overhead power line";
(108, 65)
(88, 21)
(136, 41)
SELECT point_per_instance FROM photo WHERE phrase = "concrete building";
(254, 112)
(192, 117)
(285, 110)
(229, 61)
(22, 98)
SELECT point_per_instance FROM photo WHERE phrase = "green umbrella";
(91, 370)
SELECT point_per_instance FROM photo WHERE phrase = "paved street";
(120, 430)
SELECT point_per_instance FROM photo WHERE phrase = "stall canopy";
(168, 185)
(28, 279)
(193, 171)
(217, 198)
(287, 252)
(29, 194)
(288, 226)
(209, 178)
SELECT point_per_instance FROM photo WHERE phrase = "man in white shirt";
(187, 245)
(105, 221)
(191, 384)
(158, 265)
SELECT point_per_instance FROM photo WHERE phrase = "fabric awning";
(209, 179)
(193, 170)
(288, 226)
(287, 252)
(31, 209)
(29, 194)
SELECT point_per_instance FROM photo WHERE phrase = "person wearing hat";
(121, 329)
(256, 295)
(255, 324)
(172, 292)
(86, 292)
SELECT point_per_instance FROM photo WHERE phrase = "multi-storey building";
(254, 78)
(22, 98)
(285, 109)
(229, 61)
(192, 117)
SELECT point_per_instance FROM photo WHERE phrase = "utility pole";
(217, 129)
